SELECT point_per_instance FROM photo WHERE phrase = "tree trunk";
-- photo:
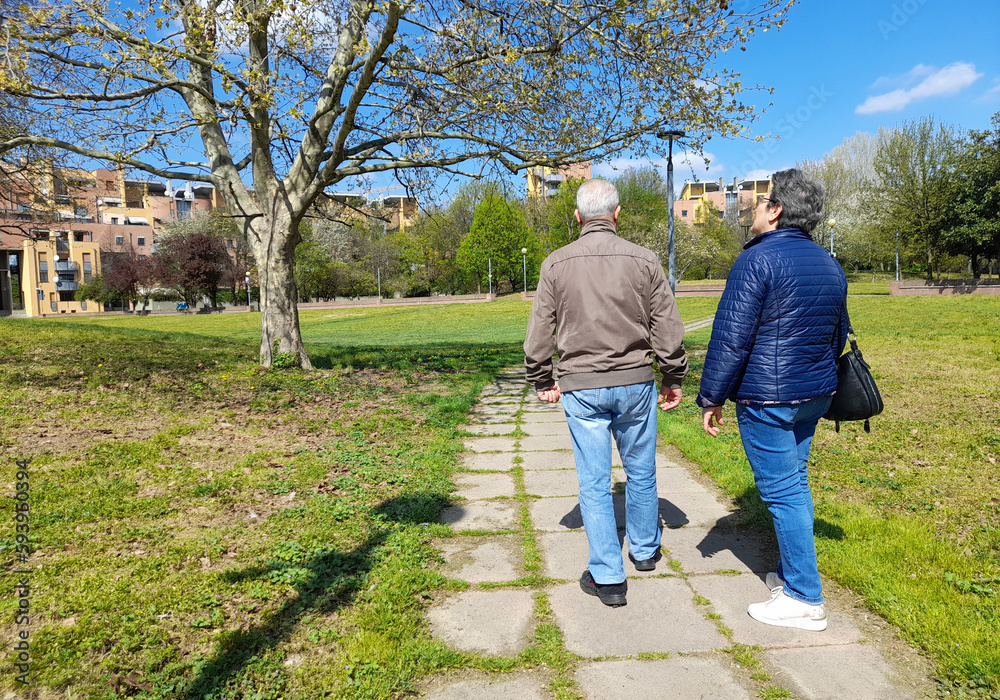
(930, 263)
(279, 317)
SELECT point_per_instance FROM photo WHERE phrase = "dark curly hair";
(801, 199)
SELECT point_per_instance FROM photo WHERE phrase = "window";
(140, 240)
(87, 268)
(43, 268)
(684, 212)
(114, 220)
(183, 209)
(119, 240)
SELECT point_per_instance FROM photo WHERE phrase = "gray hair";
(801, 199)
(596, 199)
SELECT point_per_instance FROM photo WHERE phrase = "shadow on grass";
(438, 357)
(333, 582)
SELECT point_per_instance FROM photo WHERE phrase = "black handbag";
(857, 397)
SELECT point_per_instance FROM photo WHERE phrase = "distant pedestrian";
(780, 326)
(605, 303)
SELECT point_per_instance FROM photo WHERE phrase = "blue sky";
(842, 67)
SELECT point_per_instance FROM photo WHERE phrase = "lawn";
(205, 528)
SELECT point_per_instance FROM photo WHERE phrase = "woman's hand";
(708, 415)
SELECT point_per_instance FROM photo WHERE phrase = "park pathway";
(685, 632)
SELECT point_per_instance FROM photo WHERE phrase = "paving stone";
(566, 554)
(480, 560)
(730, 596)
(488, 461)
(490, 429)
(489, 444)
(481, 515)
(536, 443)
(492, 418)
(548, 460)
(854, 671)
(497, 622)
(554, 429)
(501, 400)
(704, 550)
(499, 688)
(540, 408)
(547, 417)
(555, 514)
(693, 509)
(661, 616)
(497, 410)
(681, 677)
(561, 482)
(480, 486)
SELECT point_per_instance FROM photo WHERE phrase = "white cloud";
(993, 94)
(685, 163)
(758, 175)
(949, 80)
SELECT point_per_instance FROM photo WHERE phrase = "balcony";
(62, 244)
(66, 266)
(554, 177)
(65, 285)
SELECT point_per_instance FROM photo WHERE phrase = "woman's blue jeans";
(777, 439)
(628, 413)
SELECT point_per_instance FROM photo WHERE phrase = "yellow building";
(543, 181)
(727, 200)
(52, 271)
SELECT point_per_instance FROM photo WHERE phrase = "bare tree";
(287, 99)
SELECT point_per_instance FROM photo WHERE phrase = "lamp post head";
(832, 222)
(524, 251)
(670, 134)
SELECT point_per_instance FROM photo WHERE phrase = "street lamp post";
(524, 266)
(246, 279)
(897, 255)
(831, 223)
(670, 135)
(489, 261)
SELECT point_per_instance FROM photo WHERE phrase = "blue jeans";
(629, 413)
(777, 439)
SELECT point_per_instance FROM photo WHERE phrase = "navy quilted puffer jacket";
(781, 324)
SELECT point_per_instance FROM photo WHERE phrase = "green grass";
(908, 516)
(213, 528)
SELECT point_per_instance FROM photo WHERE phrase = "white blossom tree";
(274, 101)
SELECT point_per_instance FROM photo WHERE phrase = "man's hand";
(669, 398)
(708, 415)
(550, 395)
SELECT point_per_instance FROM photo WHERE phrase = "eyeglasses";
(762, 198)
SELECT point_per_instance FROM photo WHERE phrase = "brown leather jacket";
(606, 304)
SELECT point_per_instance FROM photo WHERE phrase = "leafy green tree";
(915, 164)
(561, 226)
(498, 233)
(287, 100)
(974, 215)
(642, 194)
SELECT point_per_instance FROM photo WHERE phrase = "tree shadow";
(333, 582)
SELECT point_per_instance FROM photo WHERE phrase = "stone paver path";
(670, 640)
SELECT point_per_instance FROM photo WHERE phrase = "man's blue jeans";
(777, 439)
(629, 413)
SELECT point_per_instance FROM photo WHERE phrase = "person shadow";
(669, 515)
(748, 535)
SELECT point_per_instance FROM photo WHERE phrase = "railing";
(66, 266)
(63, 285)
(62, 244)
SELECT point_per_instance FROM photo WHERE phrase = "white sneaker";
(783, 611)
(773, 581)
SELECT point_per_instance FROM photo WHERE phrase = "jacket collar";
(776, 235)
(598, 226)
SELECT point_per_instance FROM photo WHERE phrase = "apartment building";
(543, 181)
(728, 200)
(55, 222)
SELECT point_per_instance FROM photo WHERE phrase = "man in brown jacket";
(605, 303)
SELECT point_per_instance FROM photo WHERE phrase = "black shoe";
(611, 594)
(646, 564)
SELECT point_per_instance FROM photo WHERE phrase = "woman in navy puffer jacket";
(781, 324)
